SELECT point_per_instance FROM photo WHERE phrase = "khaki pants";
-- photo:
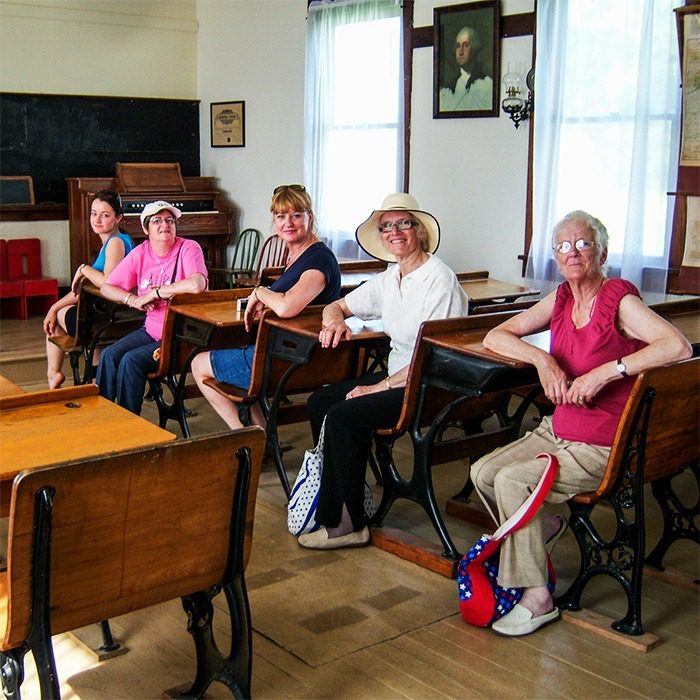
(506, 477)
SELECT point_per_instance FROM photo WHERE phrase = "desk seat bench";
(656, 440)
(102, 537)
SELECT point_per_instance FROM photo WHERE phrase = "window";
(353, 132)
(607, 105)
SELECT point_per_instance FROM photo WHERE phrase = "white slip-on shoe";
(320, 539)
(520, 621)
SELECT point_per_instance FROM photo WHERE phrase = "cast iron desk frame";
(458, 363)
(294, 341)
(98, 317)
(194, 328)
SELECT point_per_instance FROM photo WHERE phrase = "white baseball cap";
(154, 207)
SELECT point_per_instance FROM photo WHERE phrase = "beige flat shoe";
(320, 539)
(520, 621)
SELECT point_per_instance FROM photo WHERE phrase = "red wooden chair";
(273, 254)
(11, 291)
(24, 263)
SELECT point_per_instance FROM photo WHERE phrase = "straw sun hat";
(369, 238)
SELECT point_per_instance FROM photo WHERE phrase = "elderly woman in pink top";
(161, 267)
(602, 334)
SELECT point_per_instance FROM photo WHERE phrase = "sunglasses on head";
(296, 188)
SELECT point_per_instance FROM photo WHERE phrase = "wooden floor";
(365, 624)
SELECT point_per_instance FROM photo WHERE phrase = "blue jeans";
(123, 369)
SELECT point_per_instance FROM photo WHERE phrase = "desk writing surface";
(309, 325)
(489, 289)
(216, 313)
(48, 433)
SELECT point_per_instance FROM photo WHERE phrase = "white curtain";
(353, 132)
(607, 115)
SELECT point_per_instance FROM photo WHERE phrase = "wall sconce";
(517, 108)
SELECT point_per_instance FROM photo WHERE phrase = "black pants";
(350, 427)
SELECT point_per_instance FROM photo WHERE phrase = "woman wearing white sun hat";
(419, 287)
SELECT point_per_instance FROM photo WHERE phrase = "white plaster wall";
(254, 51)
(137, 48)
(472, 173)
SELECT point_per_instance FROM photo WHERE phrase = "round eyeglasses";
(565, 246)
(400, 225)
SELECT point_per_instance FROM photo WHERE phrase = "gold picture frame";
(227, 124)
(474, 93)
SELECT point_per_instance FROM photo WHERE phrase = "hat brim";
(172, 209)
(370, 240)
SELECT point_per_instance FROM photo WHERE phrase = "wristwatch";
(621, 367)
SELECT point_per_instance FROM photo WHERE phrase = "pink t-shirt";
(142, 270)
(579, 350)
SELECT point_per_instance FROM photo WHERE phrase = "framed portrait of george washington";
(466, 60)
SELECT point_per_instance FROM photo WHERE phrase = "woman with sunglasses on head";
(419, 287)
(602, 335)
(106, 213)
(163, 266)
(311, 276)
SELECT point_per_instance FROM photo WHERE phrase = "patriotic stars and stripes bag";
(481, 600)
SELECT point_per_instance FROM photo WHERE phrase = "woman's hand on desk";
(332, 333)
(252, 311)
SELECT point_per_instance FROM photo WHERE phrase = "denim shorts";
(233, 366)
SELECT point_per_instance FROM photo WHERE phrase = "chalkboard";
(52, 137)
(16, 190)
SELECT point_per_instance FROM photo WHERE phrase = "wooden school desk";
(482, 289)
(296, 363)
(457, 360)
(49, 427)
(194, 323)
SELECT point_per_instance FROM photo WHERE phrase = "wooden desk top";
(8, 388)
(54, 431)
(469, 342)
(217, 313)
(308, 325)
(488, 289)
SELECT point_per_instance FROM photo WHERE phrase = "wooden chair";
(101, 537)
(11, 291)
(656, 439)
(24, 263)
(243, 260)
(273, 253)
(99, 322)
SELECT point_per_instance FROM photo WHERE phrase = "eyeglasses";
(296, 188)
(400, 225)
(157, 221)
(565, 246)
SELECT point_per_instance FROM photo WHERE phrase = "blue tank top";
(101, 258)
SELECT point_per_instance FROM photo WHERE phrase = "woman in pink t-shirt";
(161, 267)
(602, 334)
